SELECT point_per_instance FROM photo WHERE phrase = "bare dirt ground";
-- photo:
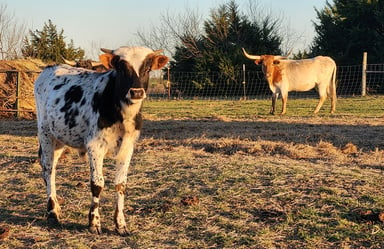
(282, 182)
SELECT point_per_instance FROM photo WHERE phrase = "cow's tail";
(332, 90)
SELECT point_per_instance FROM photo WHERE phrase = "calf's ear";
(106, 60)
(159, 62)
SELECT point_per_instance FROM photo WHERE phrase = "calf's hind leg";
(49, 153)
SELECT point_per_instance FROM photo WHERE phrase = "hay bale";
(29, 70)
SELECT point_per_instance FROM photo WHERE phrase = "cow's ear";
(258, 62)
(106, 60)
(275, 62)
(159, 62)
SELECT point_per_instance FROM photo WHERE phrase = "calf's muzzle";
(136, 93)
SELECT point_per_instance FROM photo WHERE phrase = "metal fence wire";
(16, 87)
(252, 84)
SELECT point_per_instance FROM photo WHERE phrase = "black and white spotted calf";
(99, 113)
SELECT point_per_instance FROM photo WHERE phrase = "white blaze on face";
(134, 55)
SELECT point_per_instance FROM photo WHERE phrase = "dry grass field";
(214, 174)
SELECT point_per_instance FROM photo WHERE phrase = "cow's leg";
(122, 165)
(97, 184)
(273, 107)
(323, 97)
(284, 99)
(49, 152)
(333, 104)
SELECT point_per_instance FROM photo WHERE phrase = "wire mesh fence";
(375, 78)
(16, 87)
(252, 84)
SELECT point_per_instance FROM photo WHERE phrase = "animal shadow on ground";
(365, 137)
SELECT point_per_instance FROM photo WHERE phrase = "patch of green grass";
(346, 107)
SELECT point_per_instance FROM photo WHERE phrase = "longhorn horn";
(252, 57)
(289, 53)
(71, 63)
(96, 63)
(282, 57)
(108, 51)
(159, 51)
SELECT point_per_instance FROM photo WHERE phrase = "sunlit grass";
(260, 181)
(365, 107)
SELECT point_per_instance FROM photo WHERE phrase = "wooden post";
(244, 91)
(364, 76)
(18, 94)
(169, 85)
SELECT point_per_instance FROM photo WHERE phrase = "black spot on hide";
(107, 105)
(50, 205)
(57, 87)
(82, 102)
(138, 121)
(71, 111)
(74, 94)
(96, 190)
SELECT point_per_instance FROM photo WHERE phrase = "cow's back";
(326, 66)
(303, 75)
(64, 98)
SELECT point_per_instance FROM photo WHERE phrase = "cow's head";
(132, 66)
(269, 63)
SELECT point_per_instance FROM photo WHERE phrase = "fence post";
(364, 76)
(169, 84)
(17, 94)
(244, 91)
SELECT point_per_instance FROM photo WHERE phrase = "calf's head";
(132, 66)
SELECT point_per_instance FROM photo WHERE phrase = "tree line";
(344, 30)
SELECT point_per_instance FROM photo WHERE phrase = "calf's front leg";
(122, 165)
(120, 225)
(97, 185)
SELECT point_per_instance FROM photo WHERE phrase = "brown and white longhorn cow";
(99, 113)
(87, 64)
(285, 75)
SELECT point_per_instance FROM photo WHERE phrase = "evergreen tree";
(49, 45)
(217, 53)
(347, 28)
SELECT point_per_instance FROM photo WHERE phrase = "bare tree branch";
(174, 30)
(11, 35)
(258, 13)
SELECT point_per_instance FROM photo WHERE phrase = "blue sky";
(113, 23)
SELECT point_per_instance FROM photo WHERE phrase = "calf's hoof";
(95, 230)
(53, 219)
(122, 231)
